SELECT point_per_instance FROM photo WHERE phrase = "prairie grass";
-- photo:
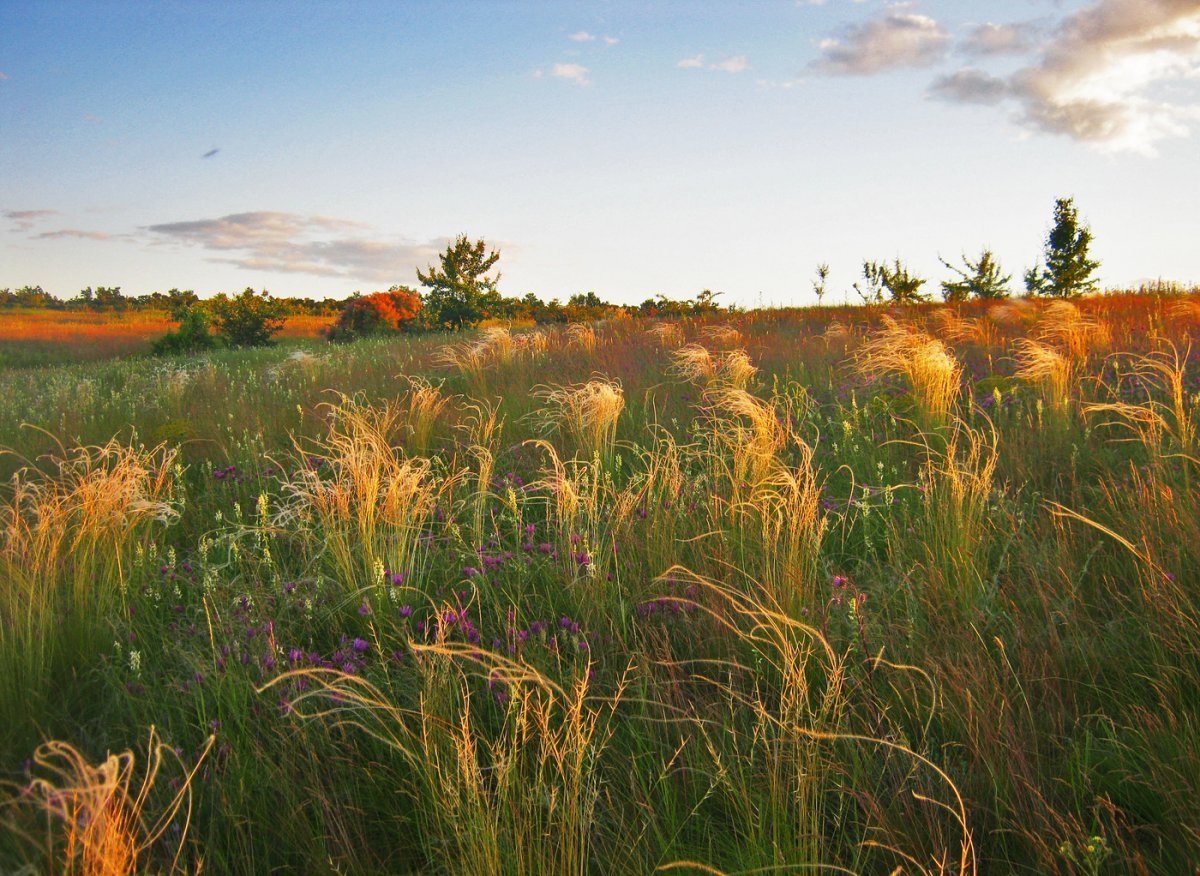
(582, 337)
(97, 822)
(726, 608)
(587, 413)
(72, 530)
(932, 372)
(1048, 369)
(358, 500)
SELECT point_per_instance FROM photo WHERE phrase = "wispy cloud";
(576, 73)
(292, 243)
(583, 36)
(23, 220)
(1103, 76)
(67, 233)
(732, 64)
(894, 39)
(736, 64)
(987, 40)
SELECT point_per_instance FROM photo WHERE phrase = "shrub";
(194, 335)
(247, 320)
(377, 313)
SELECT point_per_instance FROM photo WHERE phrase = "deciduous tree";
(460, 291)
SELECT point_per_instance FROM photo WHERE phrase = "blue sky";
(626, 148)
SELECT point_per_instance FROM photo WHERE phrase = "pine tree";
(981, 279)
(1069, 271)
(902, 286)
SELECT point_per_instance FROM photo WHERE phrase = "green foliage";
(179, 302)
(460, 292)
(981, 279)
(28, 296)
(1068, 271)
(819, 284)
(246, 320)
(194, 335)
(102, 298)
(902, 287)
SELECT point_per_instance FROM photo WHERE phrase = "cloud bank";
(292, 243)
(1115, 74)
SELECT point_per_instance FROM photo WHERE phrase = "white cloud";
(576, 73)
(896, 38)
(287, 242)
(582, 36)
(610, 40)
(736, 64)
(1103, 76)
(732, 64)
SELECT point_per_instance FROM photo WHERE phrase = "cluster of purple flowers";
(228, 473)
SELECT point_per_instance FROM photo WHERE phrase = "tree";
(247, 320)
(903, 287)
(981, 279)
(180, 302)
(1069, 271)
(819, 284)
(460, 291)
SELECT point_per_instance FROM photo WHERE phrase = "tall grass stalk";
(72, 530)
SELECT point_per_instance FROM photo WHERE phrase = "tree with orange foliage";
(377, 313)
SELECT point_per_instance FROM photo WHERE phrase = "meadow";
(843, 590)
(38, 337)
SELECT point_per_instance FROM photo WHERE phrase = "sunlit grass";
(819, 590)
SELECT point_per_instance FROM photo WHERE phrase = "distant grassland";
(908, 590)
(48, 337)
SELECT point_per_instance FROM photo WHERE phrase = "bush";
(377, 313)
(194, 335)
(247, 320)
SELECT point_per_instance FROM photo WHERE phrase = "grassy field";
(50, 337)
(833, 590)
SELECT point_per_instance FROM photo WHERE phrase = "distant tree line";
(461, 291)
(175, 301)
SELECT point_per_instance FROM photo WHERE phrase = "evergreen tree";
(460, 292)
(819, 284)
(903, 287)
(981, 279)
(1068, 271)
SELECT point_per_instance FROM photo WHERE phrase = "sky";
(626, 148)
